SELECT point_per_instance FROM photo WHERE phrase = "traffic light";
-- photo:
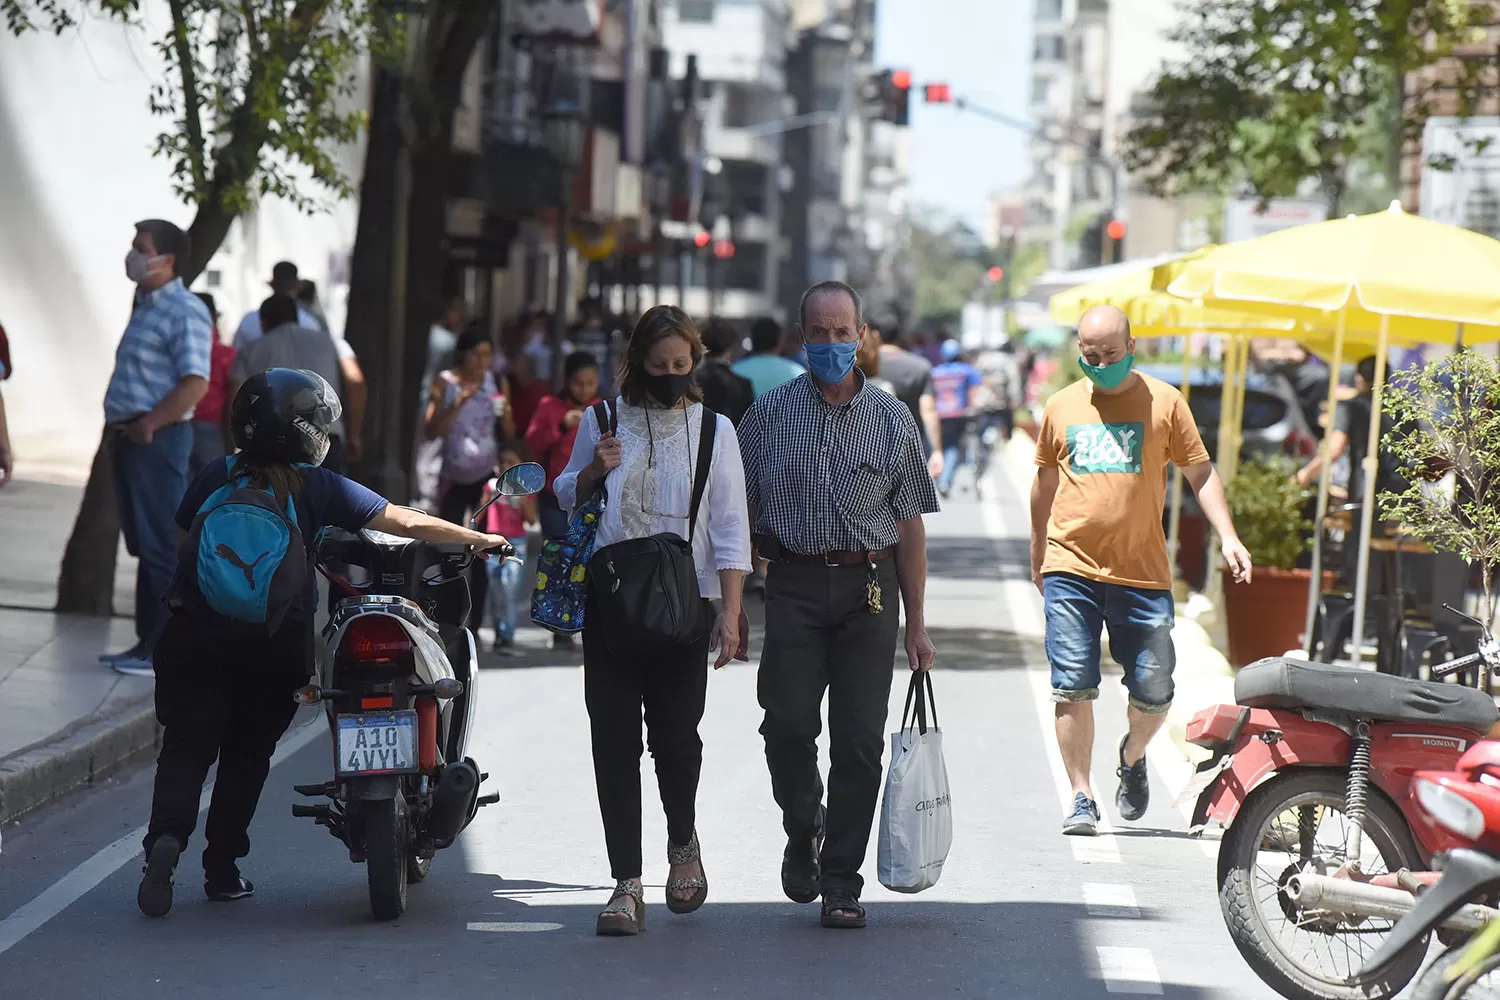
(938, 93)
(1115, 229)
(1114, 242)
(702, 239)
(996, 273)
(894, 92)
(723, 249)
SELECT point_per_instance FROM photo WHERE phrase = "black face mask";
(668, 389)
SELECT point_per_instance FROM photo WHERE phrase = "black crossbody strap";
(605, 416)
(705, 459)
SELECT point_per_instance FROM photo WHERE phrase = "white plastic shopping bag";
(916, 815)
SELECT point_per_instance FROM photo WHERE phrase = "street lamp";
(565, 126)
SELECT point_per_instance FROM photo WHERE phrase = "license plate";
(378, 743)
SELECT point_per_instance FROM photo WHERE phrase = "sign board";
(1461, 173)
(1245, 220)
(984, 326)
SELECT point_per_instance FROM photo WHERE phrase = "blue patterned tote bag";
(562, 568)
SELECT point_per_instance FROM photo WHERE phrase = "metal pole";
(564, 292)
(1315, 587)
(1174, 518)
(1367, 514)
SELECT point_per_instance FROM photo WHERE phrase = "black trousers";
(821, 636)
(671, 686)
(228, 698)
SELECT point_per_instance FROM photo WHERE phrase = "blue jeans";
(150, 480)
(507, 595)
(953, 430)
(1140, 639)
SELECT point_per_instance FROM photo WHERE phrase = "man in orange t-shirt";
(1098, 553)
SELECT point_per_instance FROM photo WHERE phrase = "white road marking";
(1129, 970)
(511, 926)
(1102, 849)
(1110, 900)
(72, 886)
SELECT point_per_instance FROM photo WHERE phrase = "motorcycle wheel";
(1257, 857)
(387, 847)
(417, 868)
(1480, 983)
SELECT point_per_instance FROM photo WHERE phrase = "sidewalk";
(65, 719)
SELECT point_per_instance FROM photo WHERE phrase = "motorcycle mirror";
(522, 480)
(1452, 610)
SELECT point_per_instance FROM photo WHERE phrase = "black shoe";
(154, 897)
(1134, 794)
(801, 866)
(225, 886)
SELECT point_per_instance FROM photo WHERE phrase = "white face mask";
(138, 266)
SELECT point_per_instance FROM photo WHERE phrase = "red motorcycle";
(1466, 802)
(1325, 845)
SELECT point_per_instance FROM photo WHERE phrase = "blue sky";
(983, 49)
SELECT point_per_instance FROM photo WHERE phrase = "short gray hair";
(831, 287)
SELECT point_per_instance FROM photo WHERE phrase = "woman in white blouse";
(647, 472)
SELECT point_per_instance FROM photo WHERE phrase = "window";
(1049, 10)
(1041, 90)
(1049, 48)
(696, 11)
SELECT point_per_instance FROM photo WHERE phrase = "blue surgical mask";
(830, 363)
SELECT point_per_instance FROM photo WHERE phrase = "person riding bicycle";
(224, 687)
(953, 382)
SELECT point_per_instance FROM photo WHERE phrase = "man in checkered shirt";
(837, 484)
(161, 371)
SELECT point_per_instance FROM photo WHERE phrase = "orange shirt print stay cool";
(1111, 453)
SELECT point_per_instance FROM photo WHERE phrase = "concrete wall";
(76, 172)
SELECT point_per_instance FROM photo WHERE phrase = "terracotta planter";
(1192, 549)
(1266, 616)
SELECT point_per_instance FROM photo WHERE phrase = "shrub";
(1267, 507)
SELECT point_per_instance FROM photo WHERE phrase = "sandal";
(841, 909)
(698, 883)
(621, 918)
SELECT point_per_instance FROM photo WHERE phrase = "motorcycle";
(398, 684)
(1465, 802)
(1325, 845)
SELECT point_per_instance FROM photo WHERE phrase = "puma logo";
(225, 552)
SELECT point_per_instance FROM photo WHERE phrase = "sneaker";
(1084, 820)
(133, 653)
(135, 666)
(1134, 793)
(154, 897)
(227, 886)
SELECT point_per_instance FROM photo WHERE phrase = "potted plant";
(1265, 617)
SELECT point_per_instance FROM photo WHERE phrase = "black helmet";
(283, 415)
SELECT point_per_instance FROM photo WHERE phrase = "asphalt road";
(1021, 911)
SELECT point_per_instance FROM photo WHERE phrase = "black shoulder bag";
(646, 589)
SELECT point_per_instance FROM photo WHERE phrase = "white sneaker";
(135, 666)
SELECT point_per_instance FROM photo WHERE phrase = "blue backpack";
(243, 559)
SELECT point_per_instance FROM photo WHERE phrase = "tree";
(1270, 95)
(254, 98)
(1445, 422)
(951, 262)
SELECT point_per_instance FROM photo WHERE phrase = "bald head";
(1104, 336)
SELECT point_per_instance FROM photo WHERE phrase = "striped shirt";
(826, 478)
(169, 337)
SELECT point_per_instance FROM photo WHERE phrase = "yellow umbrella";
(1403, 275)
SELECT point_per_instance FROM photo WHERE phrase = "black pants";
(821, 636)
(227, 698)
(456, 506)
(672, 686)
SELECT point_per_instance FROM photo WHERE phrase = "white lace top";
(652, 489)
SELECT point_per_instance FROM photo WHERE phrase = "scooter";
(398, 683)
(1466, 803)
(1325, 845)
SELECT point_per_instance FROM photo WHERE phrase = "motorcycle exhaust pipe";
(1347, 898)
(452, 802)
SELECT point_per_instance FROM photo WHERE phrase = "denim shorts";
(1140, 639)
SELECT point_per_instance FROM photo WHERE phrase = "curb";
(88, 751)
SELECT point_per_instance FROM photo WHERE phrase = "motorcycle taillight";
(377, 639)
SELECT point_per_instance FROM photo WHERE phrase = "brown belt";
(851, 558)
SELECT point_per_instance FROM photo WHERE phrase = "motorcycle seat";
(1279, 682)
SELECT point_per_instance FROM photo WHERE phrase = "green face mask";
(1108, 376)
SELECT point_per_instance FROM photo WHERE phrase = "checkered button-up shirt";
(826, 478)
(169, 337)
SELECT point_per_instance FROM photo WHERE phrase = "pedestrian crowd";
(801, 470)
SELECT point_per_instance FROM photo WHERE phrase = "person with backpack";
(239, 638)
(673, 536)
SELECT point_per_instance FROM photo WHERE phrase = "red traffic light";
(901, 79)
(1115, 229)
(723, 249)
(996, 273)
(938, 93)
(702, 239)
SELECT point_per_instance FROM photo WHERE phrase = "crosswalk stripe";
(1129, 970)
(1110, 900)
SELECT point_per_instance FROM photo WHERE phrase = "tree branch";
(192, 103)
